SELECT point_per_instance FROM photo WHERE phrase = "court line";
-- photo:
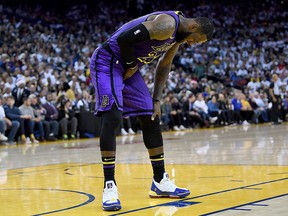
(91, 198)
(200, 196)
(44, 170)
(250, 203)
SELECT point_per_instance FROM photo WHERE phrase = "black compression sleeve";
(126, 41)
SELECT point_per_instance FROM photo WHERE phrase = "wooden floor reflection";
(240, 170)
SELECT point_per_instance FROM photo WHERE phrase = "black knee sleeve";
(111, 121)
(151, 131)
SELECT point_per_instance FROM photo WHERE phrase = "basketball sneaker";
(110, 201)
(167, 188)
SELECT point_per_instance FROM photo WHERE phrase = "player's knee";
(147, 124)
(111, 120)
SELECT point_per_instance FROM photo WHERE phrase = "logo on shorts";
(105, 101)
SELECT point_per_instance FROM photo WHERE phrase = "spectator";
(166, 109)
(230, 117)
(201, 107)
(10, 125)
(67, 91)
(50, 112)
(84, 103)
(20, 91)
(237, 107)
(192, 117)
(2, 123)
(214, 110)
(246, 109)
(257, 110)
(26, 127)
(67, 120)
(27, 110)
(261, 106)
(177, 114)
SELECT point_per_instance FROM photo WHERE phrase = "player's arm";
(160, 28)
(162, 70)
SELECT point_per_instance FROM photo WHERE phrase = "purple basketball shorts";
(131, 96)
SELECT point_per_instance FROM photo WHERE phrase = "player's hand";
(157, 110)
(130, 71)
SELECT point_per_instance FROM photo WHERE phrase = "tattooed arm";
(161, 27)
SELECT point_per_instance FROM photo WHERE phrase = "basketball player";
(121, 90)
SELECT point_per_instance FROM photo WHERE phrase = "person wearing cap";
(20, 91)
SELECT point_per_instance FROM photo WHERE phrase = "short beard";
(180, 36)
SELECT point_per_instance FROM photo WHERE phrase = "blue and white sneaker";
(110, 201)
(167, 188)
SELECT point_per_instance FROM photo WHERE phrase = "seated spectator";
(237, 107)
(27, 110)
(166, 109)
(259, 107)
(246, 110)
(192, 117)
(229, 115)
(51, 124)
(2, 123)
(10, 125)
(177, 114)
(26, 127)
(67, 120)
(66, 90)
(84, 102)
(214, 111)
(201, 107)
(20, 91)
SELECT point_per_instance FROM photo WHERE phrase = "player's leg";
(138, 101)
(108, 82)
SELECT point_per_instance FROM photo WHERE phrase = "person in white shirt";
(253, 85)
(242, 72)
(84, 103)
(201, 107)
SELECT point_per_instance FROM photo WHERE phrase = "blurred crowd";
(45, 53)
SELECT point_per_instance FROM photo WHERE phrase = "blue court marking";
(205, 195)
(90, 199)
(250, 203)
(179, 204)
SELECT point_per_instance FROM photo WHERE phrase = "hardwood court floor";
(230, 171)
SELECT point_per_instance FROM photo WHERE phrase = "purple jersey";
(147, 51)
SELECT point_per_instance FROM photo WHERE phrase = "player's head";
(196, 30)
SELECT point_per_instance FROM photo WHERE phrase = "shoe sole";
(152, 194)
(111, 208)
